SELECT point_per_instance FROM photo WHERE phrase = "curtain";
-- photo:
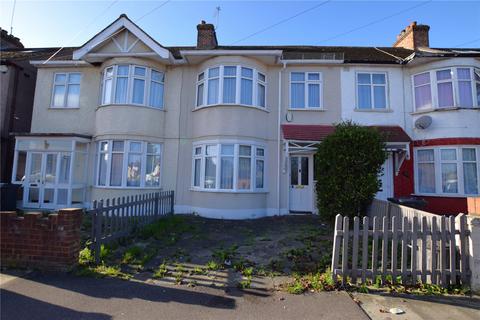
(107, 91)
(423, 97)
(445, 94)
(210, 172)
(121, 90)
(196, 179)
(465, 94)
(58, 95)
(73, 95)
(297, 95)
(470, 171)
(226, 173)
(364, 97)
(259, 174)
(380, 97)
(64, 169)
(102, 169)
(138, 91)
(116, 169)
(246, 92)
(314, 95)
(244, 170)
(212, 91)
(449, 178)
(152, 174)
(156, 94)
(426, 177)
(229, 88)
(134, 169)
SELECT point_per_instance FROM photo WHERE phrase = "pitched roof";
(302, 132)
(36, 53)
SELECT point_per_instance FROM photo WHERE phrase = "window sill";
(63, 108)
(230, 106)
(128, 188)
(373, 110)
(130, 105)
(229, 191)
(442, 110)
(446, 195)
(307, 109)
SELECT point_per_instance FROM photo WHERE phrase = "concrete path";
(69, 297)
(420, 307)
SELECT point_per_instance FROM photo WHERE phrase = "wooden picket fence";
(435, 252)
(118, 217)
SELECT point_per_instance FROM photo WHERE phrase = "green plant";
(161, 271)
(102, 271)
(105, 252)
(199, 270)
(179, 272)
(213, 265)
(347, 165)
(85, 256)
(225, 254)
(131, 254)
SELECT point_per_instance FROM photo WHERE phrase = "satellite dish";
(289, 117)
(423, 122)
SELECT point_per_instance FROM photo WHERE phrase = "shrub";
(347, 165)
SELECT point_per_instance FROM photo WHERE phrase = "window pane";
(226, 173)
(51, 168)
(468, 154)
(378, 78)
(423, 97)
(260, 152)
(139, 71)
(201, 76)
(73, 95)
(109, 72)
(448, 154)
(364, 97)
(107, 91)
(157, 76)
(363, 78)
(135, 146)
(210, 172)
(229, 71)
(470, 178)
(465, 94)
(21, 164)
(200, 94)
(121, 90)
(134, 169)
(60, 78)
(314, 96)
(211, 150)
(196, 179)
(247, 72)
(420, 79)
(297, 95)
(102, 169)
(298, 76)
(152, 174)
(122, 71)
(426, 177)
(246, 92)
(156, 94)
(104, 146)
(478, 93)
(64, 174)
(449, 178)
(244, 170)
(116, 169)
(445, 94)
(444, 74)
(259, 174)
(117, 146)
(213, 72)
(261, 95)
(464, 73)
(62, 196)
(304, 173)
(294, 171)
(261, 77)
(229, 88)
(245, 151)
(153, 148)
(138, 91)
(198, 150)
(58, 96)
(425, 155)
(314, 76)
(380, 97)
(212, 91)
(74, 78)
(227, 149)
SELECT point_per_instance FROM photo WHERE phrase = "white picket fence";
(431, 250)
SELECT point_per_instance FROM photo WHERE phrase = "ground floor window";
(228, 166)
(128, 163)
(448, 170)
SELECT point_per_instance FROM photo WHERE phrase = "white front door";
(386, 190)
(301, 183)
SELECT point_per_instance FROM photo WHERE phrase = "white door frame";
(387, 177)
(308, 205)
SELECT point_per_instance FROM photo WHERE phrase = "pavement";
(60, 296)
(419, 307)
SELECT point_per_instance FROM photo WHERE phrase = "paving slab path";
(37, 296)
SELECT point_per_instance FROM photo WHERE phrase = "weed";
(85, 256)
(131, 254)
(102, 271)
(198, 270)
(161, 271)
(223, 255)
(213, 265)
(180, 271)
(313, 282)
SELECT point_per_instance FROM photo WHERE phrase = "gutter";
(60, 63)
(231, 52)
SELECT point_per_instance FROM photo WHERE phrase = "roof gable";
(132, 35)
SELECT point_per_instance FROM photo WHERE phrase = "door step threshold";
(301, 213)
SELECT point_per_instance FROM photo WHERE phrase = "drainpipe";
(279, 134)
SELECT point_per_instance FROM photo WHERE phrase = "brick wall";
(47, 243)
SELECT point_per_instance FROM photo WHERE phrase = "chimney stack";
(8, 41)
(206, 36)
(413, 37)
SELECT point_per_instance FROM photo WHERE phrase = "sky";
(173, 22)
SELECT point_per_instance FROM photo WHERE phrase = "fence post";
(171, 201)
(336, 245)
(98, 231)
(473, 225)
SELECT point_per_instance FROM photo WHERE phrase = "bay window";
(371, 91)
(236, 167)
(231, 85)
(447, 88)
(66, 90)
(305, 90)
(131, 84)
(448, 170)
(126, 163)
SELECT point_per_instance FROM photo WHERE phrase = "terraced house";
(233, 129)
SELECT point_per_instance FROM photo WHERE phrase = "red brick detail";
(206, 36)
(446, 205)
(403, 182)
(413, 36)
(473, 204)
(50, 244)
(446, 142)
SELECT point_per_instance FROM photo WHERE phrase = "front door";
(301, 183)
(386, 190)
(41, 180)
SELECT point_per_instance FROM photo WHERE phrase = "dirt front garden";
(193, 251)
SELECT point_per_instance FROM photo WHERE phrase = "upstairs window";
(66, 90)
(229, 85)
(371, 91)
(130, 84)
(447, 88)
(306, 90)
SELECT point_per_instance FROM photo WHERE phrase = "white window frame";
(456, 95)
(126, 152)
(372, 91)
(255, 83)
(65, 94)
(254, 146)
(438, 170)
(306, 82)
(131, 77)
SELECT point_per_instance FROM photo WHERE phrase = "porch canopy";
(299, 138)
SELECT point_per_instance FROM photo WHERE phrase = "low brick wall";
(47, 243)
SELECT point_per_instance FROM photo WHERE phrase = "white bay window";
(126, 163)
(236, 167)
(448, 170)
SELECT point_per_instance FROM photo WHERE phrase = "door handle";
(33, 185)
